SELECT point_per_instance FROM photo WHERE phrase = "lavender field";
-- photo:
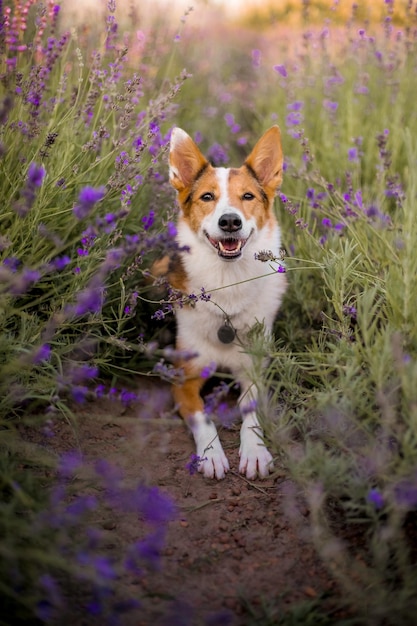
(87, 106)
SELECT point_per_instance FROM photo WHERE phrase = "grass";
(85, 125)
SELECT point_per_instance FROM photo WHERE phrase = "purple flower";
(147, 550)
(85, 372)
(79, 393)
(31, 276)
(34, 180)
(61, 262)
(281, 70)
(154, 505)
(295, 106)
(375, 498)
(208, 370)
(217, 154)
(294, 118)
(89, 300)
(69, 463)
(36, 174)
(100, 391)
(351, 311)
(12, 263)
(229, 119)
(148, 220)
(405, 493)
(153, 128)
(127, 397)
(43, 353)
(326, 222)
(24, 281)
(256, 58)
(104, 567)
(194, 464)
(88, 197)
(353, 154)
(330, 105)
(281, 269)
(81, 505)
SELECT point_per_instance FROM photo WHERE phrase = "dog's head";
(226, 207)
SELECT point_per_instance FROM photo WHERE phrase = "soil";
(238, 552)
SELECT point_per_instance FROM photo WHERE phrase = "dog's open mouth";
(229, 247)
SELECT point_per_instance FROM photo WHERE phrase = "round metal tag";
(226, 333)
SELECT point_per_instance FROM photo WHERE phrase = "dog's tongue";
(230, 244)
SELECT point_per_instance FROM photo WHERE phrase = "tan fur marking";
(266, 160)
(185, 159)
(161, 266)
(207, 182)
(177, 276)
(187, 395)
(242, 182)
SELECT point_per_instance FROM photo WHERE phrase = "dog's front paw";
(213, 462)
(255, 458)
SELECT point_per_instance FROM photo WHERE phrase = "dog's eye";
(248, 196)
(207, 197)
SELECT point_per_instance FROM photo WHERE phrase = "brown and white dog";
(226, 216)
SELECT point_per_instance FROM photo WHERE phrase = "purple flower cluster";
(217, 154)
(193, 465)
(34, 180)
(88, 198)
(66, 514)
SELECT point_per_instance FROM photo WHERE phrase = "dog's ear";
(185, 160)
(266, 159)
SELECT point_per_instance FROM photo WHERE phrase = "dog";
(225, 218)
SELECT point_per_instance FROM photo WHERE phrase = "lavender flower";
(88, 197)
(353, 155)
(146, 552)
(375, 498)
(61, 262)
(194, 464)
(89, 300)
(69, 463)
(35, 177)
(148, 220)
(208, 370)
(281, 70)
(43, 353)
(330, 105)
(405, 493)
(256, 58)
(217, 155)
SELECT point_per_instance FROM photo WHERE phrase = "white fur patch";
(213, 461)
(255, 458)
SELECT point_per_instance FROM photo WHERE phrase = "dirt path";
(237, 553)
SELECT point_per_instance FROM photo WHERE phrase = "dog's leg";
(213, 461)
(255, 458)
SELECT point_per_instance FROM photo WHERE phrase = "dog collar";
(226, 333)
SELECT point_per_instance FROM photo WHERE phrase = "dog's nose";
(230, 222)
